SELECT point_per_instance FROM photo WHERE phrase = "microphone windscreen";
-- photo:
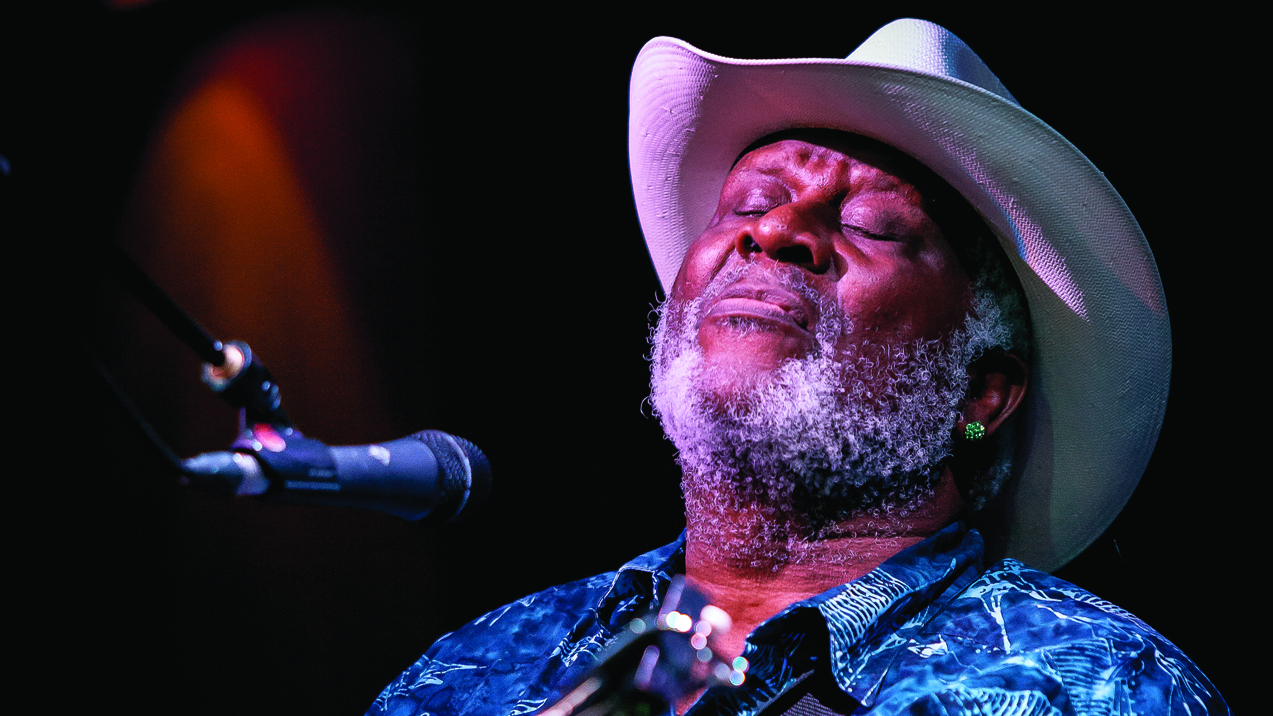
(466, 474)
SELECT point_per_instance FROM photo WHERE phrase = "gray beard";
(777, 463)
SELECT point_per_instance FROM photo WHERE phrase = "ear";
(997, 383)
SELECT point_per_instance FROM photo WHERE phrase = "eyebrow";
(768, 163)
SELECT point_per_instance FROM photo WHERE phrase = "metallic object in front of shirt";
(657, 660)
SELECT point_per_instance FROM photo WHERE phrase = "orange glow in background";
(242, 208)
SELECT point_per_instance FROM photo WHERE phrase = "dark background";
(472, 262)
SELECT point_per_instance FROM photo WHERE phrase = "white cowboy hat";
(1101, 360)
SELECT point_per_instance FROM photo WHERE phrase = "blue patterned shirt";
(927, 632)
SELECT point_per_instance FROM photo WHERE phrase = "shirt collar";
(869, 620)
(858, 628)
(638, 586)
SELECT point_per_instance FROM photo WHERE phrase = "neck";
(753, 568)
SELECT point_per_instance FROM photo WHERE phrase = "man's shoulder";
(509, 659)
(1011, 600)
(525, 625)
(486, 661)
(1024, 631)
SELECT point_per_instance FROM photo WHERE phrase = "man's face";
(851, 226)
(813, 353)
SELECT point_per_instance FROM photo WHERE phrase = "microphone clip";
(291, 461)
(244, 382)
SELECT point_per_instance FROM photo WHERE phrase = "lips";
(763, 302)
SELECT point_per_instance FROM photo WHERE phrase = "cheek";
(940, 309)
(704, 259)
(905, 307)
(685, 288)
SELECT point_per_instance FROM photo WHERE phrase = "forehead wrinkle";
(765, 161)
(809, 165)
(827, 166)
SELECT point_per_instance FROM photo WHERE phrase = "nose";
(794, 233)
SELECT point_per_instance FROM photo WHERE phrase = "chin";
(746, 345)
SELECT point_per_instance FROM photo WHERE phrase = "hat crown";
(921, 46)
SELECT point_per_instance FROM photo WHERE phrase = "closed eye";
(858, 230)
(761, 200)
(890, 222)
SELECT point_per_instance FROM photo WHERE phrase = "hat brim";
(1101, 357)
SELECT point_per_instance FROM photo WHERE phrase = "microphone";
(429, 474)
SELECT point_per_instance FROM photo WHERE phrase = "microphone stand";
(233, 371)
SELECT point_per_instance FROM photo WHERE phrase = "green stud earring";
(974, 431)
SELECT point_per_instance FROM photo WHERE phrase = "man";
(848, 369)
